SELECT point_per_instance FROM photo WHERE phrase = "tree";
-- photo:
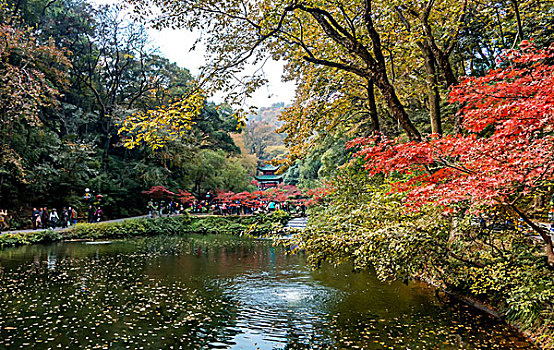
(31, 75)
(356, 218)
(505, 153)
(185, 197)
(159, 192)
(212, 127)
(359, 63)
(427, 41)
(329, 103)
(292, 30)
(58, 112)
(161, 125)
(258, 136)
(123, 73)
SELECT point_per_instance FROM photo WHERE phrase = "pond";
(220, 292)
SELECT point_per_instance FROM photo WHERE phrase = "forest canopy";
(72, 76)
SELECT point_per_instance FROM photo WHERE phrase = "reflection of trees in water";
(216, 292)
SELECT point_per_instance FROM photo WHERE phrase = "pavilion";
(268, 178)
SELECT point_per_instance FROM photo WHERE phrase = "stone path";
(297, 223)
(63, 229)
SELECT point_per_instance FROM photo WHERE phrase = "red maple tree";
(159, 192)
(224, 197)
(316, 195)
(185, 196)
(503, 153)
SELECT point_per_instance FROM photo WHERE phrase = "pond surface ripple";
(220, 292)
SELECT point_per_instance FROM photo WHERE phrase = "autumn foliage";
(185, 196)
(159, 192)
(31, 74)
(504, 151)
(259, 199)
(256, 199)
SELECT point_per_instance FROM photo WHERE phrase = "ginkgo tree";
(158, 126)
(504, 154)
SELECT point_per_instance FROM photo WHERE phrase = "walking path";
(298, 223)
(67, 228)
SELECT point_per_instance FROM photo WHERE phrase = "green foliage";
(16, 239)
(322, 163)
(362, 222)
(68, 142)
(184, 224)
(279, 216)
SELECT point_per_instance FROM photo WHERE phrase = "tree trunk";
(446, 68)
(518, 19)
(373, 107)
(106, 152)
(107, 143)
(442, 56)
(397, 109)
(549, 249)
(433, 91)
(454, 229)
(371, 125)
(379, 76)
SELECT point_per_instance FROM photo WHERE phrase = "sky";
(175, 45)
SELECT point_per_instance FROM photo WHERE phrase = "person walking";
(3, 219)
(170, 208)
(38, 219)
(74, 216)
(150, 208)
(54, 218)
(162, 207)
(98, 214)
(34, 218)
(45, 218)
(65, 217)
(69, 215)
(90, 218)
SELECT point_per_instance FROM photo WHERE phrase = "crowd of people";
(238, 208)
(43, 218)
(157, 209)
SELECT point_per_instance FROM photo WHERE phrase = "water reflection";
(51, 261)
(219, 292)
(276, 308)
